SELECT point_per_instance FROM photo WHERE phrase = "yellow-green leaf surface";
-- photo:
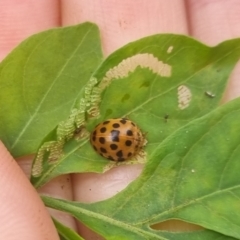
(40, 82)
(192, 175)
(160, 82)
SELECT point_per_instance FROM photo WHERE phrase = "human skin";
(210, 21)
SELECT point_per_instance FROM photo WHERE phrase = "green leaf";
(66, 233)
(160, 82)
(40, 82)
(191, 176)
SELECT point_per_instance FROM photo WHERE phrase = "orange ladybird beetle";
(117, 139)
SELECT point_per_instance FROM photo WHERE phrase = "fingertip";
(121, 22)
(94, 187)
(20, 19)
(22, 213)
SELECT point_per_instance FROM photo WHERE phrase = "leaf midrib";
(72, 209)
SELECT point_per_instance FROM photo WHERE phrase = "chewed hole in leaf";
(176, 226)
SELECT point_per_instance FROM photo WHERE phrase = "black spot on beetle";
(115, 135)
(119, 154)
(129, 132)
(110, 158)
(116, 125)
(103, 150)
(106, 122)
(123, 120)
(128, 143)
(103, 130)
(113, 146)
(102, 140)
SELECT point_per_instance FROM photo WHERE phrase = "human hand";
(120, 22)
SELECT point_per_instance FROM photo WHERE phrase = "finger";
(61, 188)
(123, 21)
(97, 187)
(20, 19)
(22, 213)
(213, 22)
(120, 22)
